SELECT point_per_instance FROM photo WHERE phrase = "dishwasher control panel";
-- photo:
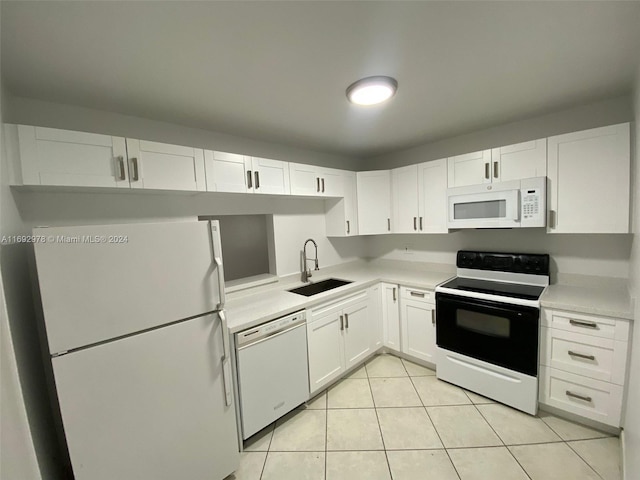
(270, 328)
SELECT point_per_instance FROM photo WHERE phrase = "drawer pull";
(581, 355)
(417, 294)
(580, 323)
(394, 294)
(341, 322)
(579, 397)
(433, 317)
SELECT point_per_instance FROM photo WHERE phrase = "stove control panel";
(536, 264)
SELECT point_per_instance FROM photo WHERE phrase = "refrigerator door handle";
(217, 258)
(226, 365)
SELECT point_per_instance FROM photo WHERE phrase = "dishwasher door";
(273, 374)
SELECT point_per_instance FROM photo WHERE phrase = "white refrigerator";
(139, 348)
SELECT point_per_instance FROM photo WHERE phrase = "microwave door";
(498, 209)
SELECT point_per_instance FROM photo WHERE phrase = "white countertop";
(608, 298)
(251, 307)
(248, 308)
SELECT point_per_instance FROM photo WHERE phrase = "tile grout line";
(583, 459)
(384, 447)
(504, 445)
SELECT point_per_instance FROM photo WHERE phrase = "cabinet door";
(160, 166)
(341, 214)
(432, 197)
(356, 333)
(375, 315)
(522, 160)
(404, 188)
(49, 156)
(589, 174)
(270, 176)
(326, 352)
(305, 179)
(227, 172)
(332, 182)
(418, 329)
(391, 316)
(469, 169)
(374, 202)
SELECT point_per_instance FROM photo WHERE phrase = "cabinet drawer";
(594, 357)
(418, 294)
(330, 307)
(600, 401)
(604, 327)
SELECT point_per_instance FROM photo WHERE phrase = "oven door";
(496, 332)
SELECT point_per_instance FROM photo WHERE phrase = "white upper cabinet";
(589, 177)
(522, 160)
(374, 202)
(315, 181)
(469, 169)
(502, 164)
(341, 218)
(230, 172)
(432, 197)
(404, 189)
(49, 156)
(227, 172)
(160, 166)
(270, 176)
(419, 198)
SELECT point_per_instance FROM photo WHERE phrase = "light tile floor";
(393, 419)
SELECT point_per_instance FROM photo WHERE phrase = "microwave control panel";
(533, 205)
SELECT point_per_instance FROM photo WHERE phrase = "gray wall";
(29, 111)
(608, 112)
(632, 420)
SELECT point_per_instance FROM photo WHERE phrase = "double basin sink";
(319, 287)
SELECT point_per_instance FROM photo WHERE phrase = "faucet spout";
(306, 271)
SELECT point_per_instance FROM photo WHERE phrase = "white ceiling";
(278, 71)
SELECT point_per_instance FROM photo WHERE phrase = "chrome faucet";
(306, 272)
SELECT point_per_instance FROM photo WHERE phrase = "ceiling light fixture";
(372, 90)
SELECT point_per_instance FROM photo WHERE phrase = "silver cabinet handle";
(415, 224)
(581, 355)
(257, 175)
(341, 322)
(495, 169)
(486, 171)
(348, 227)
(569, 393)
(420, 223)
(553, 218)
(122, 175)
(249, 182)
(389, 224)
(317, 184)
(394, 294)
(136, 172)
(433, 317)
(322, 185)
(346, 320)
(580, 323)
(417, 294)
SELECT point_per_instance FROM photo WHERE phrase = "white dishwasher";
(273, 371)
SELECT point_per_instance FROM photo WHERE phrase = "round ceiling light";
(372, 90)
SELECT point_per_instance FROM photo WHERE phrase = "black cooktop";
(514, 290)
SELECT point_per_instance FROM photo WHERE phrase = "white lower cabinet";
(390, 316)
(339, 335)
(583, 364)
(418, 320)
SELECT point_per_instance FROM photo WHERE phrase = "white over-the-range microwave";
(513, 204)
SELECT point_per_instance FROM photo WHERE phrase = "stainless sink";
(319, 287)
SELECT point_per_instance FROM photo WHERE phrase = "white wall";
(606, 255)
(632, 419)
(608, 112)
(17, 452)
